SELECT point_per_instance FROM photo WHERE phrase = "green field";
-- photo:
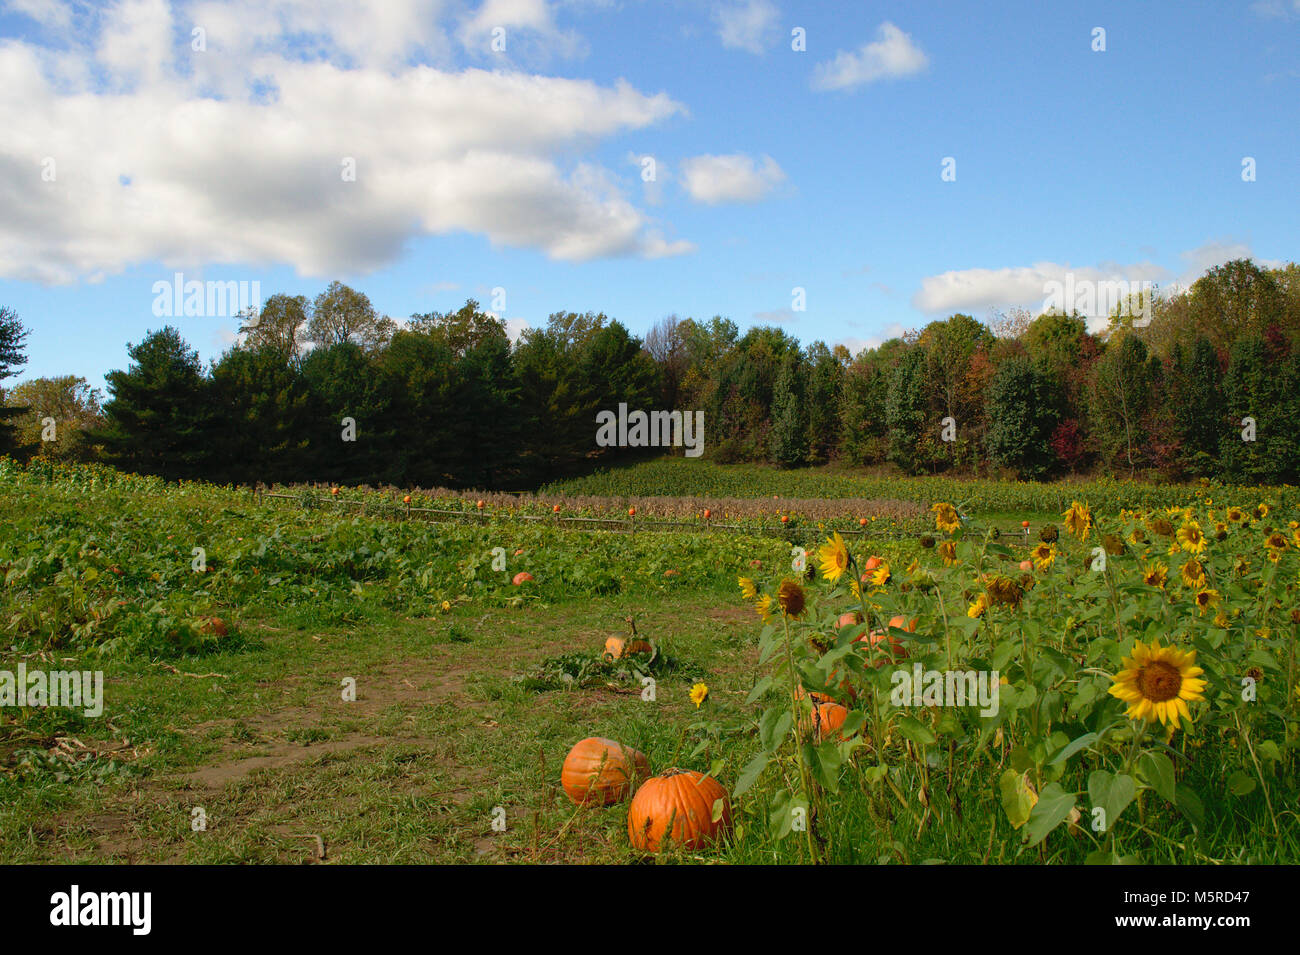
(469, 690)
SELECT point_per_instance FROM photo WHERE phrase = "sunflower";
(1044, 555)
(1162, 527)
(855, 588)
(946, 517)
(1261, 512)
(1193, 574)
(1158, 681)
(834, 558)
(1004, 590)
(1190, 537)
(1078, 519)
(948, 551)
(880, 576)
(1235, 515)
(791, 598)
(1156, 574)
(763, 607)
(747, 589)
(1276, 544)
(699, 693)
(1207, 599)
(976, 610)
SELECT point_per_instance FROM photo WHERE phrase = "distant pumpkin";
(522, 578)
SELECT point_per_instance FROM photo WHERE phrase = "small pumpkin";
(848, 619)
(522, 578)
(676, 808)
(825, 719)
(616, 648)
(892, 645)
(599, 771)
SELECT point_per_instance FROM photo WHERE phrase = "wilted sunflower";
(1049, 534)
(1206, 599)
(791, 597)
(976, 609)
(1044, 556)
(1162, 527)
(699, 693)
(1156, 574)
(1190, 537)
(1158, 681)
(948, 551)
(1220, 531)
(1078, 519)
(927, 541)
(1005, 591)
(946, 517)
(1193, 574)
(834, 558)
(747, 589)
(1114, 546)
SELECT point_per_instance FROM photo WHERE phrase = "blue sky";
(521, 169)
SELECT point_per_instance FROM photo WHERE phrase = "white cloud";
(778, 316)
(857, 345)
(531, 22)
(219, 175)
(747, 25)
(972, 290)
(515, 328)
(733, 178)
(891, 54)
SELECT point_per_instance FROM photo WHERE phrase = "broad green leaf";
(1052, 809)
(1157, 770)
(1018, 797)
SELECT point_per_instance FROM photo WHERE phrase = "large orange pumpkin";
(676, 808)
(598, 771)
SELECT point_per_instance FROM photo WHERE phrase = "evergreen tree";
(159, 418)
(1022, 419)
(789, 417)
(12, 357)
(905, 412)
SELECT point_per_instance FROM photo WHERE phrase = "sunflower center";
(1159, 681)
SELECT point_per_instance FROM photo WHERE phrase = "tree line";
(328, 390)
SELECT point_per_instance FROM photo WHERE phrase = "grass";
(450, 752)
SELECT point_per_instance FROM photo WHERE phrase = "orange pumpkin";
(872, 563)
(892, 644)
(599, 771)
(676, 808)
(825, 719)
(848, 619)
(522, 578)
(213, 627)
(616, 648)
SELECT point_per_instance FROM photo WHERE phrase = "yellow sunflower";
(1156, 574)
(699, 693)
(1158, 681)
(1207, 599)
(1044, 555)
(747, 589)
(834, 558)
(763, 607)
(1235, 515)
(948, 551)
(946, 517)
(976, 610)
(1078, 519)
(1190, 537)
(880, 576)
(1193, 574)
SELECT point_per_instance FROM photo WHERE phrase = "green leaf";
(1269, 750)
(1018, 798)
(1082, 742)
(1240, 784)
(749, 775)
(1157, 770)
(1190, 805)
(1053, 807)
(760, 688)
(916, 731)
(1112, 792)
